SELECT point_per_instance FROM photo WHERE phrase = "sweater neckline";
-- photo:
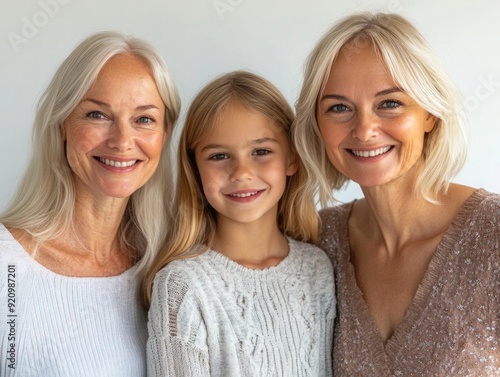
(23, 255)
(221, 260)
(420, 301)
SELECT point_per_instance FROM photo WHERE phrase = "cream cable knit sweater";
(213, 317)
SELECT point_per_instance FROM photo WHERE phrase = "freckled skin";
(121, 118)
(362, 109)
(248, 154)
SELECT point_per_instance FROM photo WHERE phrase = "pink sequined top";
(452, 327)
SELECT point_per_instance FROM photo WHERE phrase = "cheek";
(153, 144)
(211, 181)
(332, 141)
(414, 142)
(77, 147)
(332, 137)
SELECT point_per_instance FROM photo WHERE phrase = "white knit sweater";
(59, 326)
(213, 317)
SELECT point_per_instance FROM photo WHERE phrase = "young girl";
(236, 294)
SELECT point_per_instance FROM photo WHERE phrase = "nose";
(240, 171)
(365, 126)
(121, 135)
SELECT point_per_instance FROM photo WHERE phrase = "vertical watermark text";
(11, 316)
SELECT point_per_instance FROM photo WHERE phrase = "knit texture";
(67, 326)
(210, 316)
(452, 327)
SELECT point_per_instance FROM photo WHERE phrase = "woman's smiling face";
(114, 137)
(373, 132)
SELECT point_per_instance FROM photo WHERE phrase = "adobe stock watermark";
(30, 26)
(223, 6)
(483, 91)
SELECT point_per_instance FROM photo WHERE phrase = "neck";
(96, 225)
(251, 245)
(394, 215)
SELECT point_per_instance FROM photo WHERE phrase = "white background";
(203, 38)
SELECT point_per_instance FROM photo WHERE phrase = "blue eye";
(339, 108)
(95, 115)
(146, 120)
(391, 104)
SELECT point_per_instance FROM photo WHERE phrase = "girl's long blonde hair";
(195, 219)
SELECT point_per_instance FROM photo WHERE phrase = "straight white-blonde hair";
(43, 205)
(415, 69)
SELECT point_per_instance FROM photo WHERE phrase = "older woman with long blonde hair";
(90, 213)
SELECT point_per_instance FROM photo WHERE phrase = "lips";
(370, 153)
(244, 195)
(117, 164)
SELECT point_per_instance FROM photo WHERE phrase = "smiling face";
(373, 132)
(243, 161)
(114, 137)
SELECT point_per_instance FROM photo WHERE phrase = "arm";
(169, 356)
(176, 345)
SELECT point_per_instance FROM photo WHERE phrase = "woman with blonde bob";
(417, 259)
(90, 214)
(235, 292)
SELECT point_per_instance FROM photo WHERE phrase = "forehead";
(125, 65)
(237, 122)
(126, 77)
(358, 65)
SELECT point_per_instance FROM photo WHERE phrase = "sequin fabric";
(452, 326)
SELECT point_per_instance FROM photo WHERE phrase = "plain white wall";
(203, 38)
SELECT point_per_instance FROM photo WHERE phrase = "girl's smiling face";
(244, 160)
(373, 132)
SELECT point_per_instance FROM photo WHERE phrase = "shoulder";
(180, 274)
(476, 227)
(483, 211)
(333, 227)
(307, 249)
(6, 237)
(336, 211)
(11, 251)
(335, 217)
(490, 202)
(315, 273)
(178, 293)
(312, 258)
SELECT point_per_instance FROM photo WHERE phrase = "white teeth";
(117, 164)
(372, 153)
(245, 195)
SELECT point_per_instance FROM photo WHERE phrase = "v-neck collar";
(381, 351)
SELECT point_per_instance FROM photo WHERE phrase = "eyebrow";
(388, 91)
(378, 94)
(251, 142)
(104, 104)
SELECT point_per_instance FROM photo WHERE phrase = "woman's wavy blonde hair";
(415, 69)
(195, 219)
(44, 202)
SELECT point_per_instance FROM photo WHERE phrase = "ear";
(430, 122)
(292, 163)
